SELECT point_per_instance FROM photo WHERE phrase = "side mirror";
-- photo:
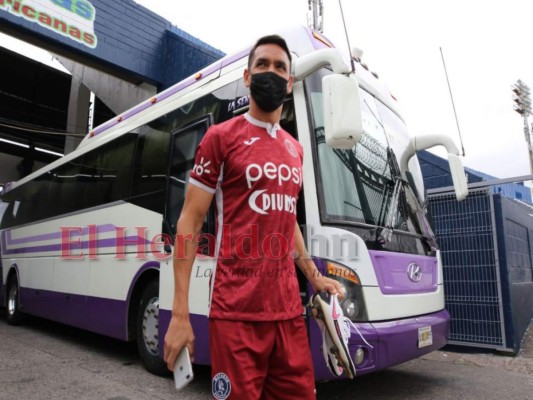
(456, 166)
(458, 176)
(343, 124)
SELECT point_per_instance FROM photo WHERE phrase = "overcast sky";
(487, 46)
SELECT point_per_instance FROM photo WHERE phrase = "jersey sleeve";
(209, 161)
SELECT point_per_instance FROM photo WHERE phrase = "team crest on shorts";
(221, 386)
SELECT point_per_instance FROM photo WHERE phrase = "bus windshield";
(363, 186)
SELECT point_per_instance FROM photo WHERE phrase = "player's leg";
(290, 374)
(239, 358)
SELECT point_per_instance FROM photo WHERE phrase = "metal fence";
(466, 232)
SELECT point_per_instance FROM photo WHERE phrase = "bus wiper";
(402, 187)
(423, 223)
(385, 235)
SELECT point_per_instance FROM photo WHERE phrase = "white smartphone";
(183, 373)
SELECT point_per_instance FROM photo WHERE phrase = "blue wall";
(436, 173)
(129, 38)
(480, 273)
(515, 233)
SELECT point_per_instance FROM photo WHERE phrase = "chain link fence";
(486, 243)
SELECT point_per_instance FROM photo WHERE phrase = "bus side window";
(62, 191)
(105, 173)
(23, 198)
(151, 163)
(288, 117)
(8, 215)
(150, 169)
(22, 204)
(3, 214)
(183, 145)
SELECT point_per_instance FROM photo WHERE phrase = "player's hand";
(179, 335)
(328, 284)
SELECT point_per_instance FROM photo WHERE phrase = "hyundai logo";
(414, 272)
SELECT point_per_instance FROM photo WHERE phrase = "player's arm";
(307, 266)
(180, 333)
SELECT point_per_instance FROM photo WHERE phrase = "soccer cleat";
(335, 328)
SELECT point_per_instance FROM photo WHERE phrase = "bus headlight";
(350, 308)
(352, 304)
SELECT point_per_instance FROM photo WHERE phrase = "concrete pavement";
(45, 360)
(521, 363)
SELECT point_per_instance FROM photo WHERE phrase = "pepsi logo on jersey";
(282, 173)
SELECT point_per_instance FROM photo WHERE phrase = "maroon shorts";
(261, 360)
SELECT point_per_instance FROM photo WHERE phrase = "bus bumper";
(389, 343)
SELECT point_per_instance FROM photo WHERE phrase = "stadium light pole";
(522, 105)
(316, 20)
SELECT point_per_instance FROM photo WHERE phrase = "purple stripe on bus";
(136, 110)
(56, 235)
(146, 266)
(104, 127)
(143, 106)
(75, 247)
(94, 314)
(1, 282)
(399, 273)
(235, 57)
(105, 316)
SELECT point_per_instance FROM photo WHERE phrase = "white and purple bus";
(86, 240)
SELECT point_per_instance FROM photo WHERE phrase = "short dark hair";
(269, 39)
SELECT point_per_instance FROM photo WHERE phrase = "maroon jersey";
(255, 171)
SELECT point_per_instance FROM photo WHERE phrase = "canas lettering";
(57, 21)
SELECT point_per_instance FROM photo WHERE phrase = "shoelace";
(349, 323)
(346, 332)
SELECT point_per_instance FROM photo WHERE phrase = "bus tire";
(148, 330)
(13, 314)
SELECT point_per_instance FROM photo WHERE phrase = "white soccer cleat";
(335, 328)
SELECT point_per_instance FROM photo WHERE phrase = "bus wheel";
(13, 314)
(148, 330)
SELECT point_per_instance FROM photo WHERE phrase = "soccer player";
(258, 338)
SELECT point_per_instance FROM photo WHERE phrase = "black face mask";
(268, 90)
